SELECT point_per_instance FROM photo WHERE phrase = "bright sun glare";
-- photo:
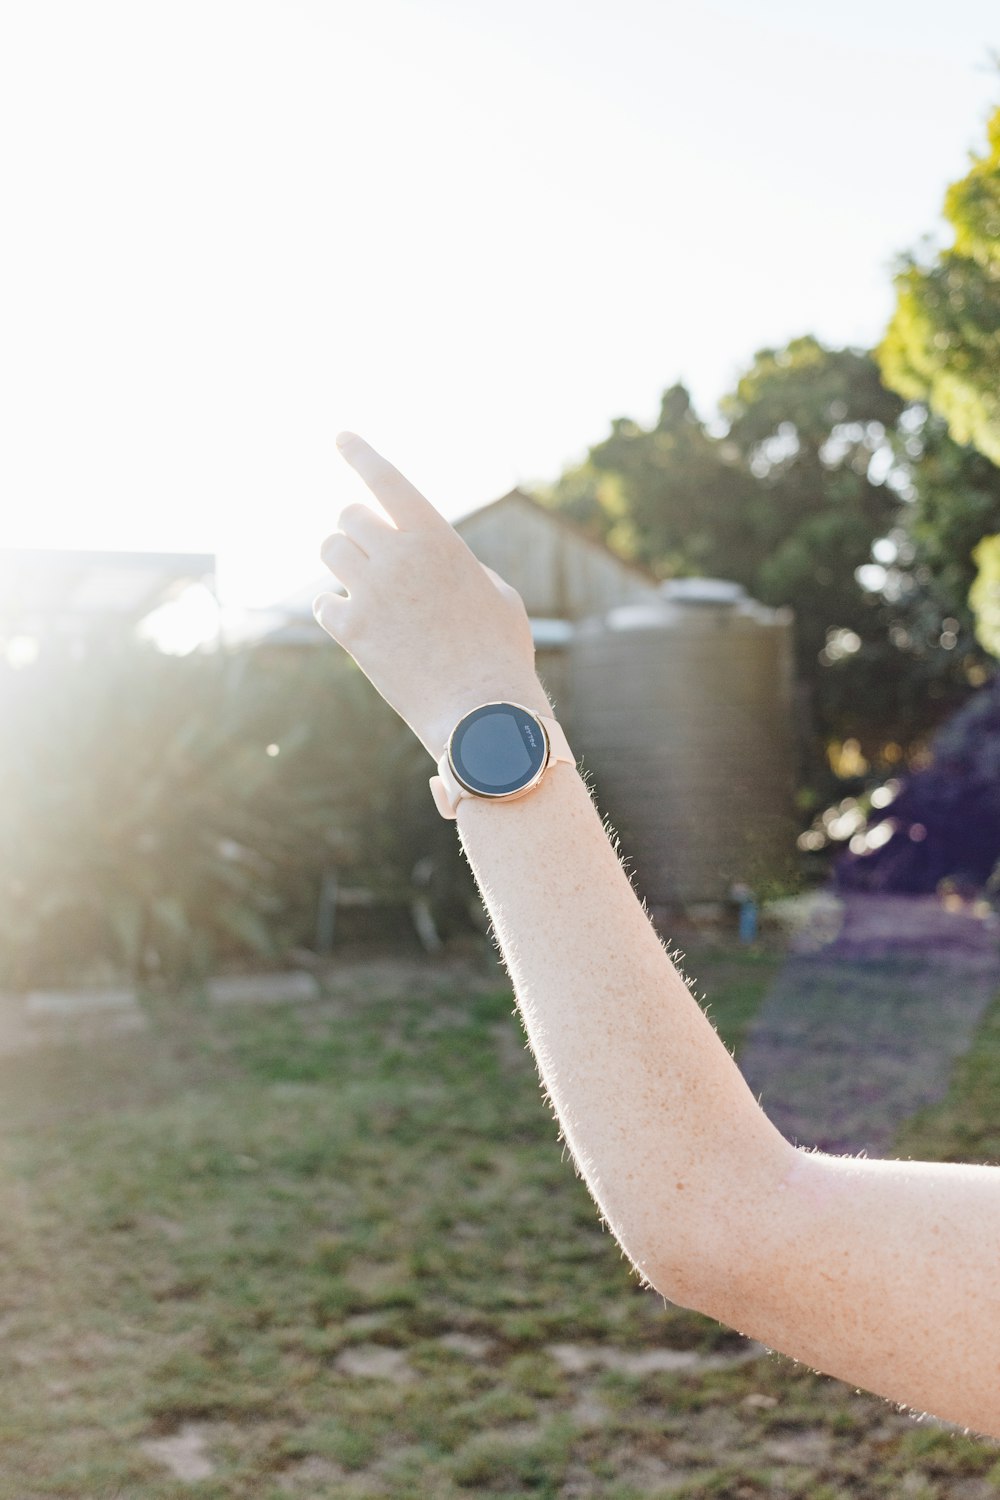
(475, 235)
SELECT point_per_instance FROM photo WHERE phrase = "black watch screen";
(498, 749)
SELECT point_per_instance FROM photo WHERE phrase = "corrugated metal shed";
(558, 570)
(562, 575)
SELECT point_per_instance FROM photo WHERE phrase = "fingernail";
(343, 438)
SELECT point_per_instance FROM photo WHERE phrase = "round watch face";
(498, 749)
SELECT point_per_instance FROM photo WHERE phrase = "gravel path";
(863, 1025)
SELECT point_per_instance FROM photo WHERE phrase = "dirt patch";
(183, 1453)
(309, 1473)
(375, 1362)
(466, 1344)
(576, 1358)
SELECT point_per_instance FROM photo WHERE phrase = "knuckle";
(356, 511)
(332, 546)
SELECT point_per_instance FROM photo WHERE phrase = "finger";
(344, 558)
(367, 530)
(331, 612)
(398, 497)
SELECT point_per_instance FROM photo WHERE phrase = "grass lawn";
(333, 1249)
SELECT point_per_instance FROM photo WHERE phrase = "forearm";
(661, 1124)
(659, 1120)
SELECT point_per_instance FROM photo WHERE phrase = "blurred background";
(690, 323)
(688, 318)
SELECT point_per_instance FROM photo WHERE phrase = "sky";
(474, 231)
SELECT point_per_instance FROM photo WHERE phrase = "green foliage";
(923, 652)
(786, 503)
(953, 501)
(163, 813)
(671, 498)
(807, 423)
(984, 595)
(943, 343)
(823, 470)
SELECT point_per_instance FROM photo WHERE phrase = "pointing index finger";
(401, 500)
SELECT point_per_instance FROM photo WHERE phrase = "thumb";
(329, 610)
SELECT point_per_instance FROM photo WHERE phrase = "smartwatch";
(499, 751)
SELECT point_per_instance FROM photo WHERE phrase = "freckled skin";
(647, 1096)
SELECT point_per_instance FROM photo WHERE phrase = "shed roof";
(565, 523)
(289, 620)
(557, 567)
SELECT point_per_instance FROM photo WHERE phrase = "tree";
(670, 497)
(951, 501)
(829, 493)
(867, 481)
(808, 423)
(942, 351)
(942, 346)
(985, 593)
(788, 502)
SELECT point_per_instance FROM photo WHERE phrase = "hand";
(434, 630)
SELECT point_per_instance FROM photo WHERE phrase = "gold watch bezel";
(522, 791)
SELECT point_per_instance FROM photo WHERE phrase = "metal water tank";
(683, 711)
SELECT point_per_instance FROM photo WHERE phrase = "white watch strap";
(448, 790)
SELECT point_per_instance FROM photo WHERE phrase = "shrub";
(163, 813)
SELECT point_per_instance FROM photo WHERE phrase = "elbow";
(686, 1287)
(706, 1253)
(685, 1266)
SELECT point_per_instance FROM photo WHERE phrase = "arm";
(881, 1273)
(661, 1123)
(885, 1274)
